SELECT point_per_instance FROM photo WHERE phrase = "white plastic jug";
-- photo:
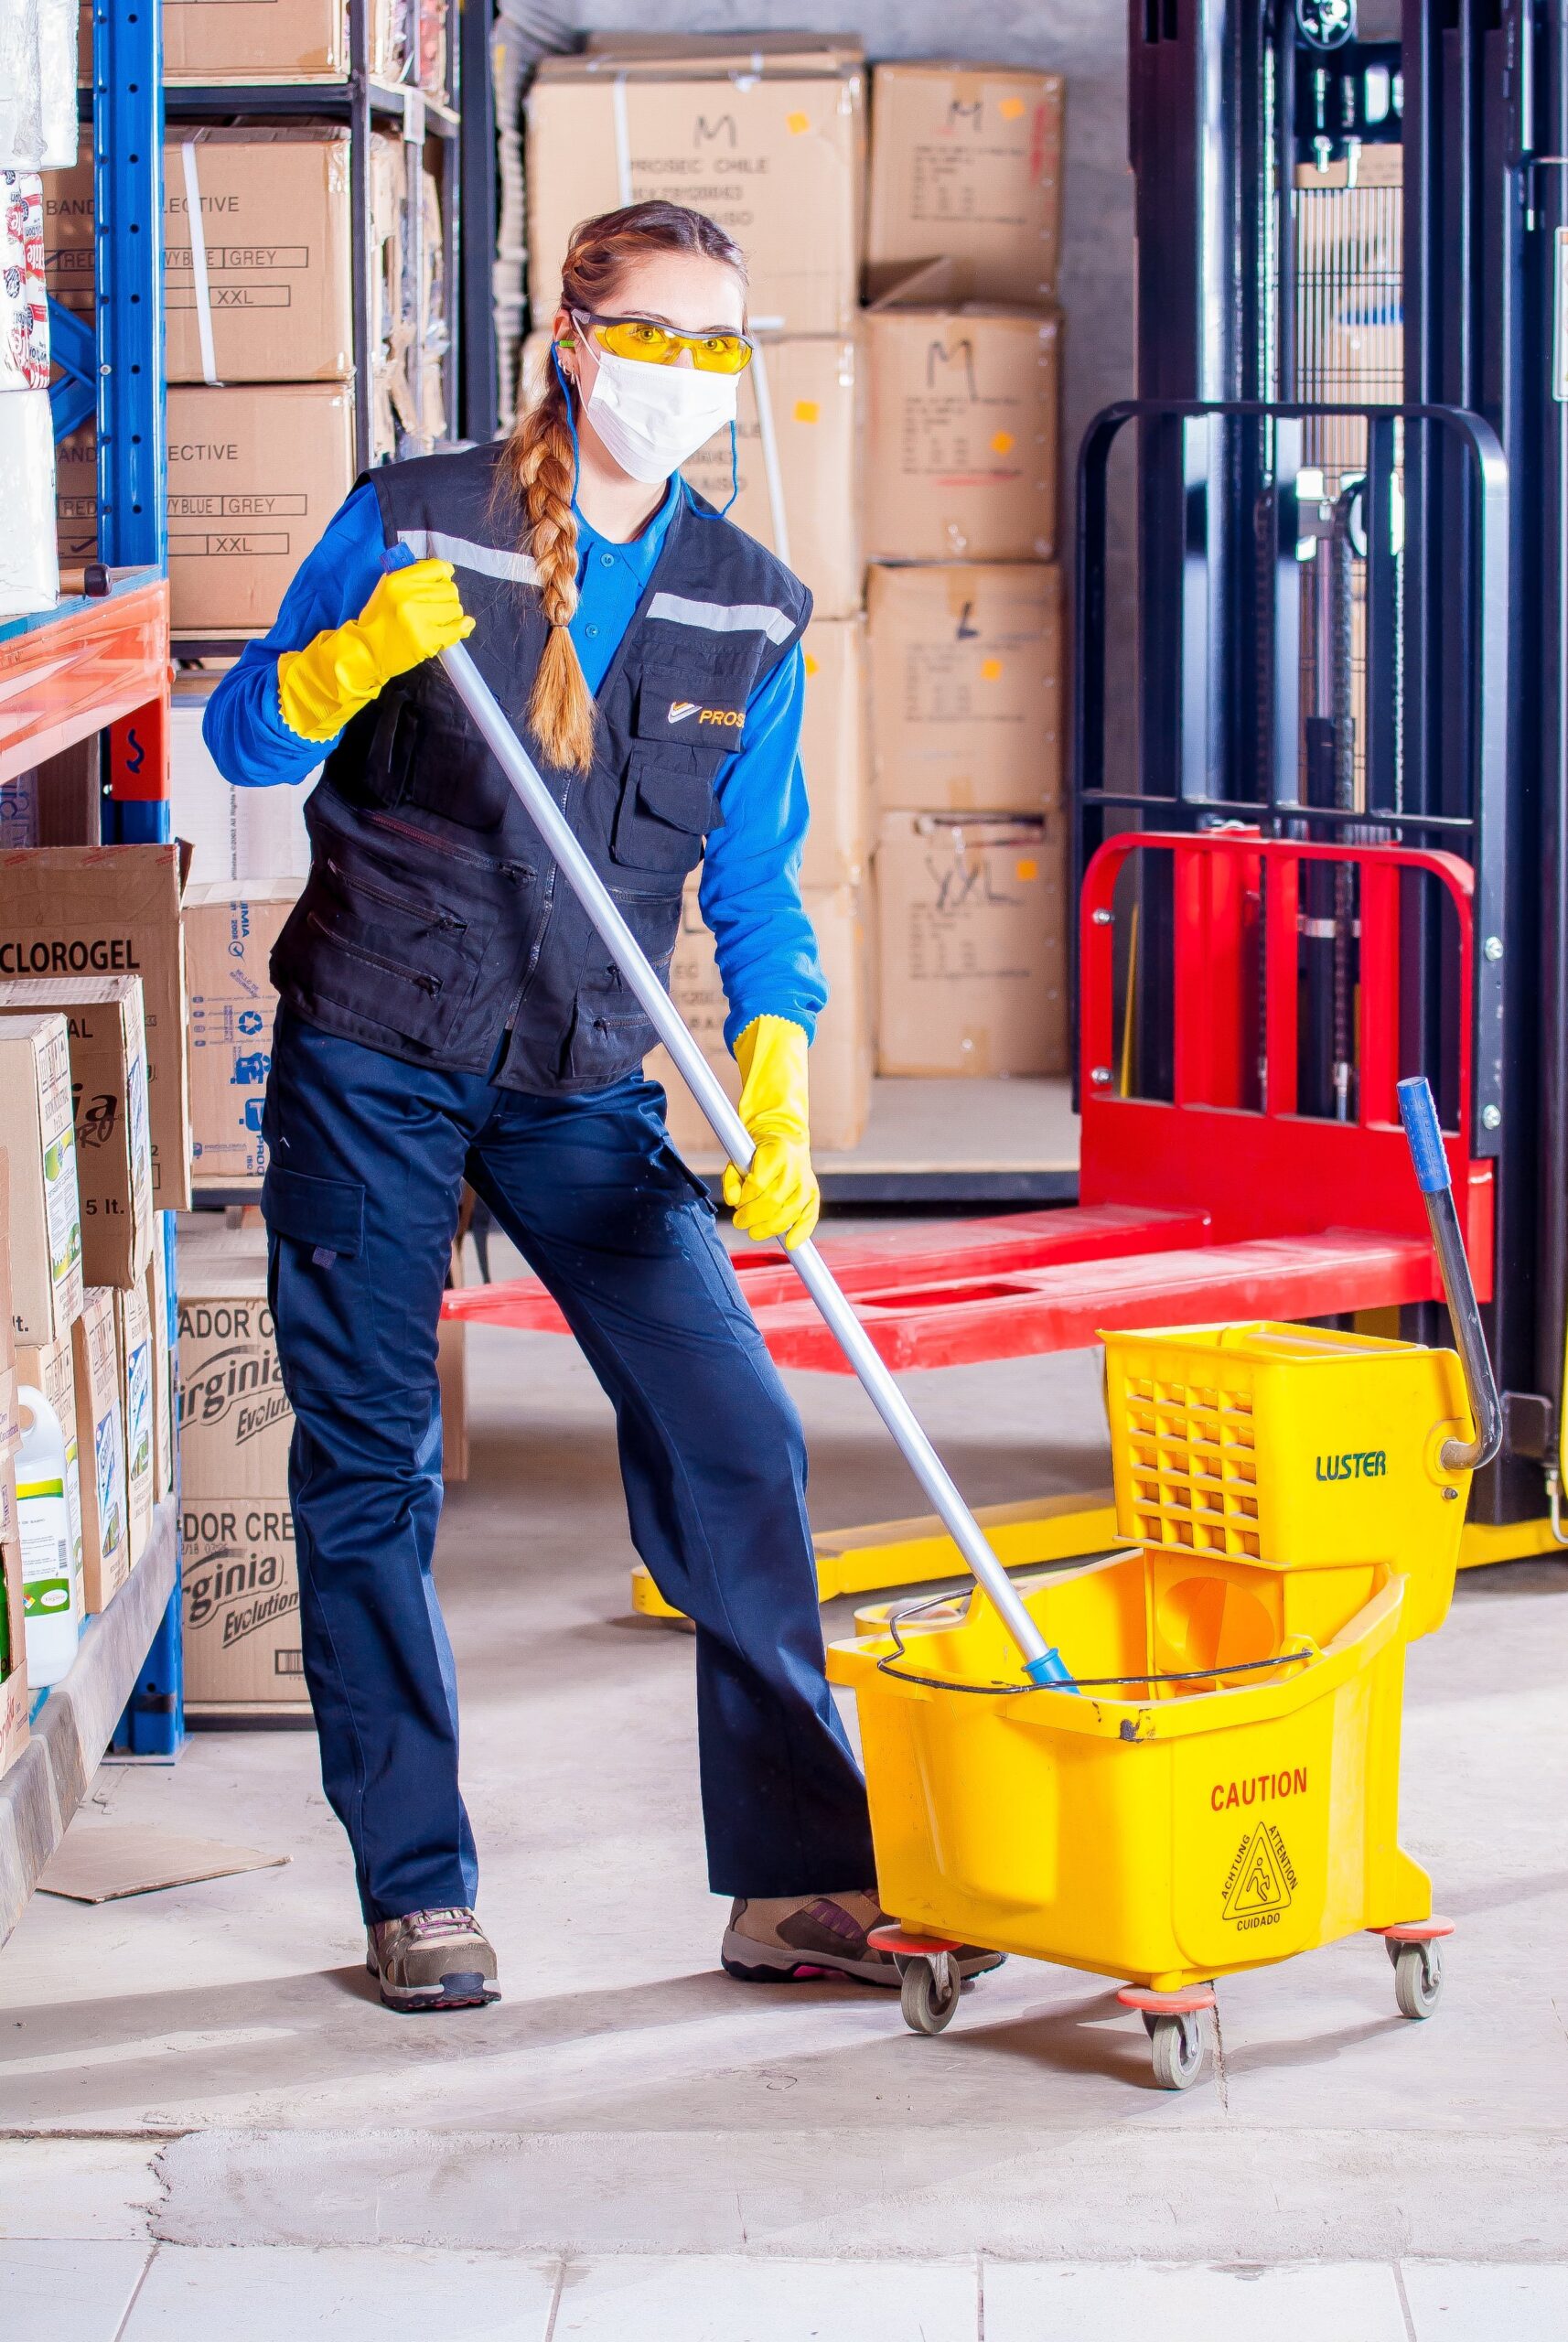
(51, 1600)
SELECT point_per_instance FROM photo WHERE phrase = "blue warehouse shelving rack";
(99, 664)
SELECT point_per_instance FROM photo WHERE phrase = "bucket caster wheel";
(1415, 1953)
(1177, 2025)
(1179, 2044)
(928, 1995)
(929, 1983)
(1418, 1977)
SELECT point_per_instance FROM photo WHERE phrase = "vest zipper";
(547, 904)
(447, 921)
(431, 984)
(513, 870)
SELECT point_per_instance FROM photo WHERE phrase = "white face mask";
(653, 419)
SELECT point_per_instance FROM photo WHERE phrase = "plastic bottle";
(51, 1601)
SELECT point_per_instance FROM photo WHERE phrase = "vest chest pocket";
(667, 808)
(362, 942)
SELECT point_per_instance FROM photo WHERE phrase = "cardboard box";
(275, 249)
(230, 934)
(165, 1438)
(254, 475)
(51, 1371)
(36, 1132)
(962, 432)
(10, 1419)
(796, 465)
(105, 1022)
(736, 52)
(972, 945)
(832, 755)
(261, 40)
(14, 1701)
(965, 669)
(241, 1602)
(112, 911)
(101, 1448)
(840, 1069)
(774, 152)
(133, 1343)
(235, 1421)
(966, 163)
(244, 833)
(76, 498)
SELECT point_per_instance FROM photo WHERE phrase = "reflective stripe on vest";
(486, 561)
(724, 618)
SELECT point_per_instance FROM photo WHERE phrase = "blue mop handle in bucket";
(1424, 1137)
(1043, 1666)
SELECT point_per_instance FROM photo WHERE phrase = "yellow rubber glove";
(412, 613)
(777, 1196)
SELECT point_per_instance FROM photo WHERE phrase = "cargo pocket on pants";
(323, 1299)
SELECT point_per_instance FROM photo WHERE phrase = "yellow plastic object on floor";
(1232, 1796)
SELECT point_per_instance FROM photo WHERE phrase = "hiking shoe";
(791, 1939)
(431, 1959)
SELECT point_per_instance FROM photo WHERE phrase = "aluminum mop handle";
(1043, 1665)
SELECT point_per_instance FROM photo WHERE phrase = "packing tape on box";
(623, 139)
(199, 264)
(770, 470)
(29, 570)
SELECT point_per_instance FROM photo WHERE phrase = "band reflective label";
(724, 618)
(486, 560)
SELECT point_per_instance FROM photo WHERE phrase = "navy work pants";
(366, 1157)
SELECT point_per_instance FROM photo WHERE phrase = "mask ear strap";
(572, 425)
(733, 479)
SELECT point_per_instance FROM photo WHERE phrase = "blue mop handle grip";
(1424, 1136)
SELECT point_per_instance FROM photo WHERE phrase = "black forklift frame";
(1214, 130)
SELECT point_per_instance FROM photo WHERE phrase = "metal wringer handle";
(1043, 1666)
(1419, 1114)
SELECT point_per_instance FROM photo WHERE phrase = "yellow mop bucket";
(1218, 1788)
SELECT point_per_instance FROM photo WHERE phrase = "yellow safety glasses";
(651, 345)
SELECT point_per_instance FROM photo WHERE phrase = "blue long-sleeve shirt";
(749, 892)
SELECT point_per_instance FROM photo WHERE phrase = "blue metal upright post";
(133, 528)
(128, 205)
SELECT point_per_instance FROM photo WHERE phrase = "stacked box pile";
(965, 634)
(769, 136)
(92, 1142)
(93, 1164)
(259, 301)
(241, 1580)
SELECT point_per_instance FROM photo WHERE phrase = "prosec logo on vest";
(682, 710)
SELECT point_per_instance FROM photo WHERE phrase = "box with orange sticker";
(961, 426)
(964, 662)
(832, 755)
(966, 161)
(795, 465)
(971, 946)
(774, 152)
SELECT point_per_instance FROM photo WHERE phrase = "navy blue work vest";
(434, 922)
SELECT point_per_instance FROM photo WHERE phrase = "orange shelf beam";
(84, 668)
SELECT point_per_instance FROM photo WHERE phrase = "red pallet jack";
(1193, 1209)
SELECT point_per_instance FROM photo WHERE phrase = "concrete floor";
(203, 2067)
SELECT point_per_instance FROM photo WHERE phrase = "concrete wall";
(1084, 40)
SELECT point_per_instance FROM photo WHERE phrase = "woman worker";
(447, 1012)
